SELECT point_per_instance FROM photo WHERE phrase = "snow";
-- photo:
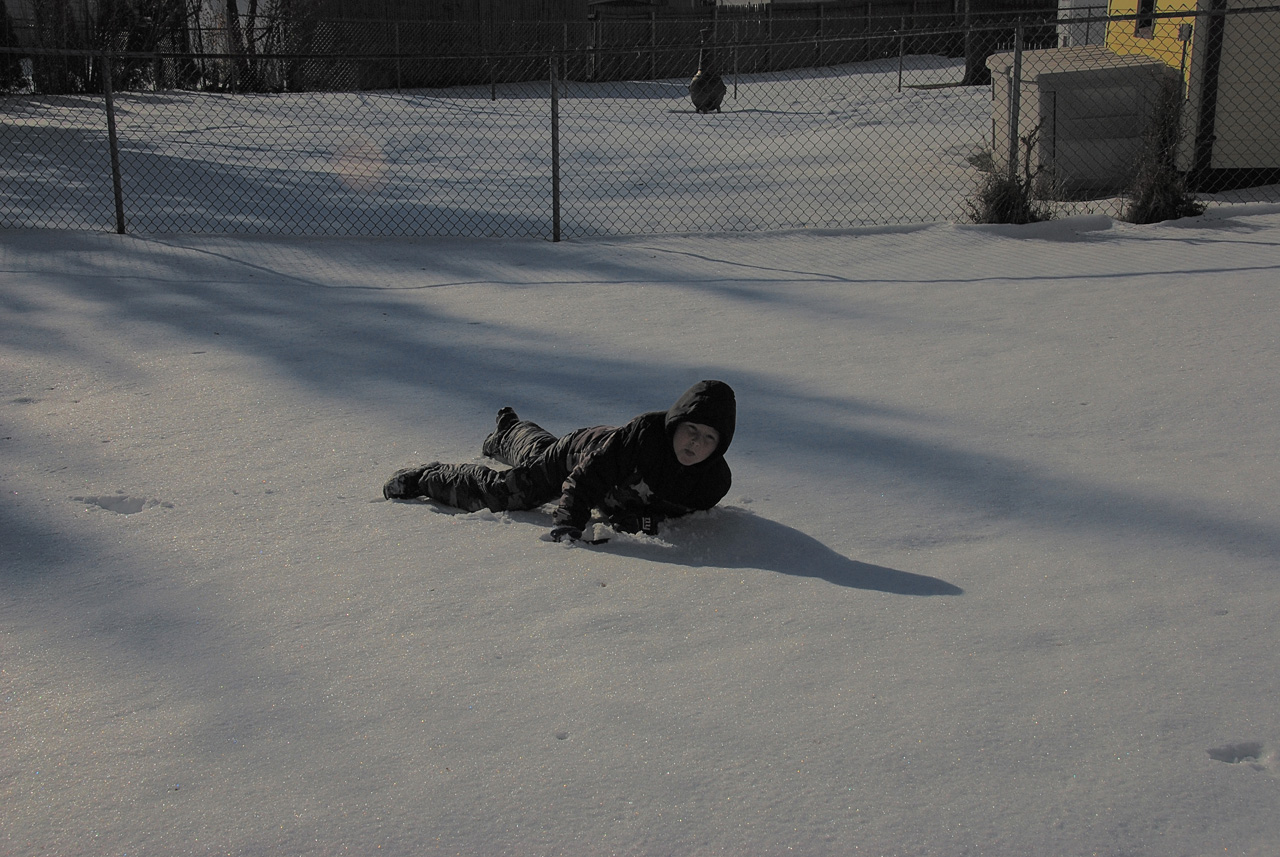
(997, 575)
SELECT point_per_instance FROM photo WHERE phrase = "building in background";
(1229, 66)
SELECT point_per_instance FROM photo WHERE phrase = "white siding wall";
(1248, 116)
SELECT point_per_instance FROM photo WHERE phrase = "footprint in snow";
(121, 503)
(1251, 753)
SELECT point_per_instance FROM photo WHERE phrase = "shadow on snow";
(731, 537)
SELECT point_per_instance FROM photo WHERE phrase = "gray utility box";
(1088, 109)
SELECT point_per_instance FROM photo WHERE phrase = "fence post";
(653, 44)
(490, 62)
(1207, 121)
(735, 66)
(817, 40)
(1185, 31)
(768, 48)
(902, 49)
(113, 143)
(555, 149)
(1015, 99)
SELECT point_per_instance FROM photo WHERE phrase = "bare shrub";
(1159, 190)
(1009, 196)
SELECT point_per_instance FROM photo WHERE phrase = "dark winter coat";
(631, 473)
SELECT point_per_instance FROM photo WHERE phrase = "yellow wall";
(1163, 43)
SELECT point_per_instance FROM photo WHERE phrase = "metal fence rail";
(539, 150)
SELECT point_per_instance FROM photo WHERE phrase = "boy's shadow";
(730, 537)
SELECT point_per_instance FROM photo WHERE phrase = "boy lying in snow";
(660, 465)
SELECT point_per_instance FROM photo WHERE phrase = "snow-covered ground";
(997, 576)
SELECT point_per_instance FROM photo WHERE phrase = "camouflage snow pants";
(540, 462)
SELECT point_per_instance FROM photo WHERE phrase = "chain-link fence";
(875, 127)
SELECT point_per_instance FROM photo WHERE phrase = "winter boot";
(493, 443)
(405, 484)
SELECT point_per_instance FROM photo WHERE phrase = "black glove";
(646, 524)
(564, 533)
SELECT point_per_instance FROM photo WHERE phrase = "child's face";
(693, 442)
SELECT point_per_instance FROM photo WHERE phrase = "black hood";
(710, 403)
